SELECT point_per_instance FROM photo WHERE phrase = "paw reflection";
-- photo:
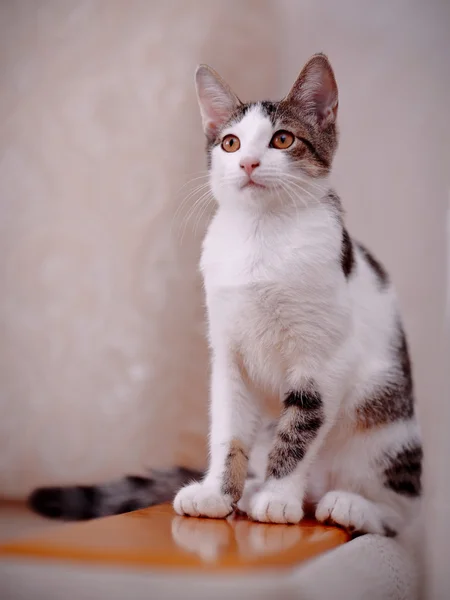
(212, 539)
(258, 539)
(208, 538)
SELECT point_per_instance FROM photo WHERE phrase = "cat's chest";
(273, 313)
(266, 299)
(250, 276)
(237, 256)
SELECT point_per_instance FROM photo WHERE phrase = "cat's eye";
(282, 140)
(231, 143)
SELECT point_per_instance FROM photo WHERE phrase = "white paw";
(201, 500)
(252, 486)
(351, 511)
(270, 507)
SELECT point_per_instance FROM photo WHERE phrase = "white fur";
(281, 311)
(200, 499)
(350, 510)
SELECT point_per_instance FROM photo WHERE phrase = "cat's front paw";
(269, 507)
(202, 500)
(252, 487)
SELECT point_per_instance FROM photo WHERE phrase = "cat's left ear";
(315, 91)
(216, 100)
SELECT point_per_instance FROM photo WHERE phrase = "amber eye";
(231, 143)
(282, 140)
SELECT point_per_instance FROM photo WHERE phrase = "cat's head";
(269, 150)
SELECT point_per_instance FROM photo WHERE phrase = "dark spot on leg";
(404, 471)
(235, 472)
(388, 532)
(298, 426)
(307, 400)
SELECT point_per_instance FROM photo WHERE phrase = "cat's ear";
(216, 100)
(315, 91)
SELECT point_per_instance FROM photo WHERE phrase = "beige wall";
(103, 364)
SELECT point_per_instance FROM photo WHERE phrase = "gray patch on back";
(377, 268)
(393, 400)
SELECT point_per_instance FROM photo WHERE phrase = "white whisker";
(192, 180)
(295, 185)
(203, 211)
(308, 182)
(186, 199)
(198, 205)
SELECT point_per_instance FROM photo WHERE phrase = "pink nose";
(249, 165)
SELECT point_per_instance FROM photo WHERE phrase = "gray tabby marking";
(127, 494)
(298, 426)
(403, 475)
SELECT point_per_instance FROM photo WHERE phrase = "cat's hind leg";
(376, 480)
(354, 513)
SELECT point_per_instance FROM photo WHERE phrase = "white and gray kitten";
(301, 317)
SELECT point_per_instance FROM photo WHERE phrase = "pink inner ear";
(324, 96)
(216, 100)
(326, 103)
(215, 114)
(316, 90)
(216, 117)
(216, 111)
(211, 129)
(219, 113)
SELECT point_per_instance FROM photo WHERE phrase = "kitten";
(300, 314)
(298, 310)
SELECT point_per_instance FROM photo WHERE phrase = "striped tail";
(77, 503)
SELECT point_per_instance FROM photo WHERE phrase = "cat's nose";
(249, 164)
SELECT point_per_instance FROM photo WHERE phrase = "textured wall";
(103, 364)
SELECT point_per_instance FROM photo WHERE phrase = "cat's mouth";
(252, 184)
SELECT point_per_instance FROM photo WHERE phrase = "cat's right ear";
(216, 100)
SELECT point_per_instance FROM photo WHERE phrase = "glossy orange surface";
(156, 538)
